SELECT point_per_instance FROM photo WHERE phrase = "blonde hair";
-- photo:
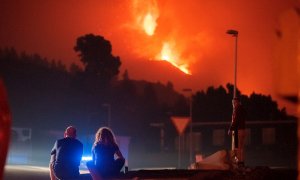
(106, 136)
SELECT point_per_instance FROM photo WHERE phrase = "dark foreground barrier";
(260, 173)
(257, 173)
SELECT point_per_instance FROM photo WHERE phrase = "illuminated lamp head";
(233, 32)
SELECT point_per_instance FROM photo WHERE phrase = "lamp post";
(234, 33)
(191, 122)
(108, 106)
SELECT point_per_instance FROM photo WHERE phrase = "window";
(268, 136)
(218, 137)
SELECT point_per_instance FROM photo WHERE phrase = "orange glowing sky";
(193, 31)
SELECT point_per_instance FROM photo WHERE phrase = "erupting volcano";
(162, 41)
(168, 50)
(168, 55)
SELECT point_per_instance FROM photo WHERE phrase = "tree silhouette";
(96, 55)
(45, 95)
(126, 75)
(215, 105)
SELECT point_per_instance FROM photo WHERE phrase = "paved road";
(24, 172)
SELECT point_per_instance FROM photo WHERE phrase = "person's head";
(105, 135)
(70, 132)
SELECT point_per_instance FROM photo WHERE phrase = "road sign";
(180, 123)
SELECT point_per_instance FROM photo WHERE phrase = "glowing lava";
(167, 55)
(147, 15)
(149, 24)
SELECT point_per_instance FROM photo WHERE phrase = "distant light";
(86, 158)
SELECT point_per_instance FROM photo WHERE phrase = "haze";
(195, 31)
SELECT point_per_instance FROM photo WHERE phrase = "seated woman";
(107, 158)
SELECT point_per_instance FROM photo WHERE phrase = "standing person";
(107, 157)
(66, 156)
(237, 130)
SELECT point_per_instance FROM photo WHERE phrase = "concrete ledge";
(42, 173)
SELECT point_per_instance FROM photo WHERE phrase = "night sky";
(192, 32)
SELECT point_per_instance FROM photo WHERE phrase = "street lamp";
(234, 33)
(108, 106)
(191, 122)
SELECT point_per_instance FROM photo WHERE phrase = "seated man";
(66, 156)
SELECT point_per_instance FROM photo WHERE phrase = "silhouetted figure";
(5, 123)
(107, 157)
(66, 156)
(237, 130)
